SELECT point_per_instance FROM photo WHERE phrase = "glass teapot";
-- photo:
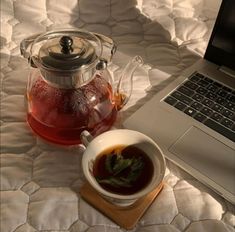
(70, 88)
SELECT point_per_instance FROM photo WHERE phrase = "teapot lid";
(66, 50)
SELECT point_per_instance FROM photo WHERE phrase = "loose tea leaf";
(121, 164)
(123, 171)
(109, 162)
(136, 169)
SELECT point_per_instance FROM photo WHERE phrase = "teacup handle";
(86, 138)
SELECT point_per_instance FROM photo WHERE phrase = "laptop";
(193, 118)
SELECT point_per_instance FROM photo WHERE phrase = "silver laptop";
(193, 118)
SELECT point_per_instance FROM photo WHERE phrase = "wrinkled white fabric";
(40, 182)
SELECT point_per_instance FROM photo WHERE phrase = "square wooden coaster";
(127, 216)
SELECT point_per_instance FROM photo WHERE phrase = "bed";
(40, 182)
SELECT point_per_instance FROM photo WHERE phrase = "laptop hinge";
(227, 71)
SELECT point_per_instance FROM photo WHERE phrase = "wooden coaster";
(127, 216)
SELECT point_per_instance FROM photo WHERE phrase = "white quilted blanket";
(40, 182)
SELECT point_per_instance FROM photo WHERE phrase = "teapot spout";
(125, 84)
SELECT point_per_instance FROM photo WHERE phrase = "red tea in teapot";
(60, 115)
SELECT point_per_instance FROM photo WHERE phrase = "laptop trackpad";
(208, 156)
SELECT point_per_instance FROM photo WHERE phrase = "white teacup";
(109, 139)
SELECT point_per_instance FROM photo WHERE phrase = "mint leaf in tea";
(123, 169)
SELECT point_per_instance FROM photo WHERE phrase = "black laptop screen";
(221, 47)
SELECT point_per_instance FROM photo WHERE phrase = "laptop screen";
(221, 47)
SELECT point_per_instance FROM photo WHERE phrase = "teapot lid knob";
(66, 43)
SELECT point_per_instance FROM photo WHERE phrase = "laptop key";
(217, 117)
(227, 123)
(208, 102)
(231, 98)
(190, 85)
(196, 105)
(222, 93)
(220, 129)
(227, 89)
(190, 111)
(195, 78)
(230, 106)
(203, 83)
(170, 100)
(206, 111)
(233, 127)
(211, 96)
(181, 97)
(218, 108)
(199, 117)
(217, 84)
(221, 101)
(212, 88)
(208, 79)
(228, 114)
(197, 97)
(199, 75)
(201, 90)
(180, 106)
(185, 91)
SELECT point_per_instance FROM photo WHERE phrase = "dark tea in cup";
(123, 169)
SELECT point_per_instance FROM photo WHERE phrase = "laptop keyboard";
(208, 102)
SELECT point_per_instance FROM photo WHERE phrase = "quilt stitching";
(40, 182)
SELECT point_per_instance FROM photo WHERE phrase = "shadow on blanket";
(136, 34)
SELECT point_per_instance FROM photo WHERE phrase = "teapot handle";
(25, 46)
(108, 42)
